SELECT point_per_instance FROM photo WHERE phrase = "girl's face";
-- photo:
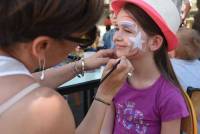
(129, 37)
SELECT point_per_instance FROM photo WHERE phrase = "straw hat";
(163, 12)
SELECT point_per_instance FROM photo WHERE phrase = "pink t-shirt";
(141, 111)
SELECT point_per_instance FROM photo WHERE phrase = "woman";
(38, 34)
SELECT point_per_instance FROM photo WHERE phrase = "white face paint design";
(135, 40)
(129, 25)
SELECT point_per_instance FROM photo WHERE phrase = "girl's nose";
(117, 38)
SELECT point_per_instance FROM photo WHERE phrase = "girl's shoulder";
(170, 102)
(168, 90)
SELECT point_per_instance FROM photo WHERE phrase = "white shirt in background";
(187, 72)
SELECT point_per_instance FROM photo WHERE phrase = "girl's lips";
(120, 46)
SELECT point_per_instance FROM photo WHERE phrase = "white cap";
(163, 12)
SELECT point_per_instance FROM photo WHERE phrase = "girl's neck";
(145, 67)
(145, 73)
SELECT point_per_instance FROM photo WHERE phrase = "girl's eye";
(127, 30)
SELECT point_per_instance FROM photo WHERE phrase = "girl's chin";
(127, 54)
(120, 54)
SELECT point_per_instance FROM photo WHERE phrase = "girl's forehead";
(124, 16)
(124, 19)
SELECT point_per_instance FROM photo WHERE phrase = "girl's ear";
(155, 42)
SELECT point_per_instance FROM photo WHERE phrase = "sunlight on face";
(129, 37)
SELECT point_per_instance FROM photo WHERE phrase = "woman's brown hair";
(24, 20)
(160, 56)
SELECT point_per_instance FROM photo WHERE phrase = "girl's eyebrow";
(127, 24)
(129, 17)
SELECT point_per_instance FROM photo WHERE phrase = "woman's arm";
(54, 77)
(171, 127)
(93, 121)
(108, 123)
(59, 119)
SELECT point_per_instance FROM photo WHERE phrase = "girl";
(150, 101)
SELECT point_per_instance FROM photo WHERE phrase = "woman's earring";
(42, 67)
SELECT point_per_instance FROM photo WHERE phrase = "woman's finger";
(105, 53)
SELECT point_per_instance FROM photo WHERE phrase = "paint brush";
(114, 67)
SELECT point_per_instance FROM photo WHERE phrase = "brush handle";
(114, 67)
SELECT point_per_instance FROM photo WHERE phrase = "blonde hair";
(189, 44)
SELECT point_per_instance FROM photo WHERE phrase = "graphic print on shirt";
(131, 118)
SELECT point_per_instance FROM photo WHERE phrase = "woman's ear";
(155, 42)
(40, 45)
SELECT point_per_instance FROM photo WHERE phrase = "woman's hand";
(100, 58)
(108, 88)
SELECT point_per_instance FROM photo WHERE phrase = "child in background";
(151, 101)
(185, 62)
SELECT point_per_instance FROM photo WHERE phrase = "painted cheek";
(136, 41)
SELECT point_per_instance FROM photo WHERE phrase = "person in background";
(184, 7)
(185, 62)
(39, 34)
(108, 36)
(151, 100)
(107, 23)
(196, 23)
